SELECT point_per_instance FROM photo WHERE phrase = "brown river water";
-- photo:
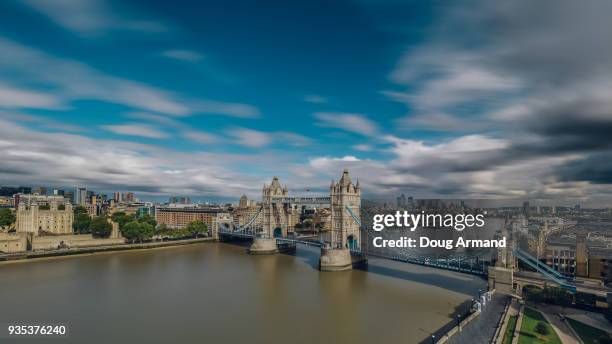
(216, 293)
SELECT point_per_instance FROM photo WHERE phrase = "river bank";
(33, 255)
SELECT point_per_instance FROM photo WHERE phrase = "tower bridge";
(341, 247)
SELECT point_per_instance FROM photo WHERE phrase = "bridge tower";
(274, 218)
(345, 196)
(345, 200)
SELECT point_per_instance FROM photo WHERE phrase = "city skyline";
(428, 99)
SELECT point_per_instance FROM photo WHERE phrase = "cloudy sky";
(479, 99)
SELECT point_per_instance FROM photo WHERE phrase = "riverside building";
(38, 214)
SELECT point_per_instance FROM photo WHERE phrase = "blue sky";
(213, 98)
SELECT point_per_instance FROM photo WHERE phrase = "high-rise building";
(117, 197)
(58, 192)
(179, 200)
(526, 208)
(129, 197)
(401, 201)
(80, 196)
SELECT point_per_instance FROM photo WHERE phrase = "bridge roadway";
(460, 265)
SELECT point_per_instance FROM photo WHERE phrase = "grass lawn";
(588, 334)
(510, 329)
(528, 335)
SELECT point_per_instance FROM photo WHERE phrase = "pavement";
(482, 329)
(513, 310)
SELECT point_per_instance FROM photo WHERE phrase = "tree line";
(132, 227)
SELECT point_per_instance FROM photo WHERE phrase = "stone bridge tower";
(274, 215)
(345, 199)
(274, 218)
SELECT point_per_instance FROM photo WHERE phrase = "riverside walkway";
(482, 329)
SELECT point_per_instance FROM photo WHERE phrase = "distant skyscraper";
(117, 197)
(80, 196)
(401, 201)
(526, 208)
(179, 200)
(58, 192)
(129, 197)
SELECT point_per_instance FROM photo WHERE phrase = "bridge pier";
(263, 246)
(335, 259)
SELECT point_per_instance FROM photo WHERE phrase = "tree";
(533, 294)
(137, 231)
(100, 227)
(122, 218)
(81, 221)
(196, 228)
(148, 219)
(79, 209)
(162, 228)
(541, 328)
(6, 217)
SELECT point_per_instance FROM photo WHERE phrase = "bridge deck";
(453, 264)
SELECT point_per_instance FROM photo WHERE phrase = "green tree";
(541, 328)
(148, 219)
(122, 218)
(137, 231)
(6, 217)
(81, 221)
(196, 228)
(79, 209)
(162, 228)
(100, 227)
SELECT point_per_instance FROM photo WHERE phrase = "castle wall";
(13, 242)
(68, 241)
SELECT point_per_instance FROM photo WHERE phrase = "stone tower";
(345, 199)
(274, 215)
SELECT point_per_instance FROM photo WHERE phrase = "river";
(216, 293)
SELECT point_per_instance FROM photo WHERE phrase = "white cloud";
(73, 80)
(228, 109)
(90, 17)
(11, 97)
(315, 99)
(45, 158)
(363, 147)
(141, 130)
(292, 139)
(182, 55)
(200, 136)
(250, 138)
(352, 122)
